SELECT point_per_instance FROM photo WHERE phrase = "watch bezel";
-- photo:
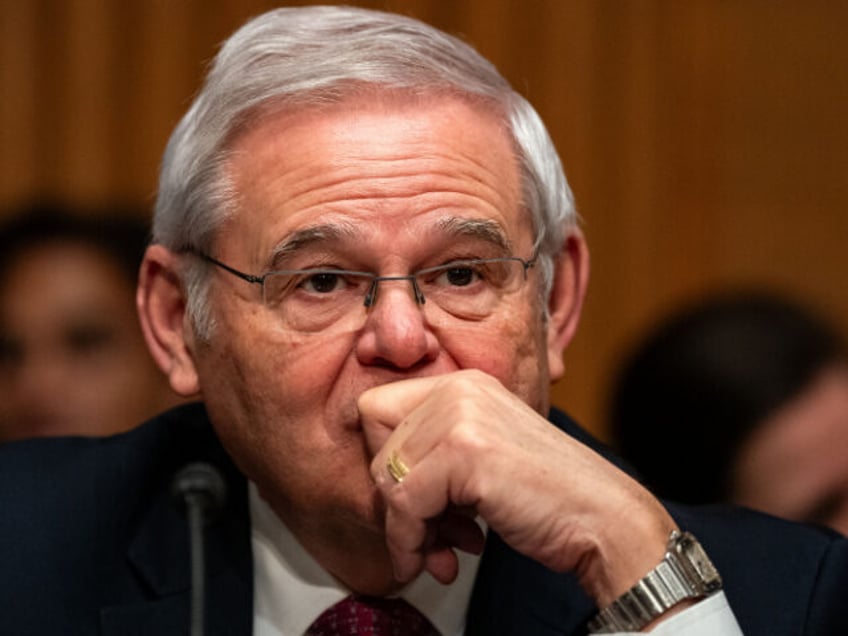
(693, 560)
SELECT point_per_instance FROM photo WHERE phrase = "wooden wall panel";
(704, 139)
(19, 63)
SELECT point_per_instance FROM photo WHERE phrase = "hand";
(473, 447)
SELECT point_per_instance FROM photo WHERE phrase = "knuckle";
(466, 439)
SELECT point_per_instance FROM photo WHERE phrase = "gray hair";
(310, 55)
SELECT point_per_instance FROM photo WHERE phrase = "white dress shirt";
(291, 590)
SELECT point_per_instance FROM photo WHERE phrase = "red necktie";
(369, 616)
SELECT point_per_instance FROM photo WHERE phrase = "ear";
(161, 306)
(570, 278)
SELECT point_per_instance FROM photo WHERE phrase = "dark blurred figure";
(742, 398)
(72, 357)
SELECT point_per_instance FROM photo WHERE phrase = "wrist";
(623, 551)
(684, 575)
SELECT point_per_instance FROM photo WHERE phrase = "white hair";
(303, 56)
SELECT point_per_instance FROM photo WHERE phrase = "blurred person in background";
(741, 398)
(72, 357)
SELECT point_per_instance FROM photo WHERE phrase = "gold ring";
(397, 469)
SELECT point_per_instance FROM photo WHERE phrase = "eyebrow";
(482, 229)
(312, 235)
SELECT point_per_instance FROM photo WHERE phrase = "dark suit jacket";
(90, 543)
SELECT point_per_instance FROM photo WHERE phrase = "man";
(366, 264)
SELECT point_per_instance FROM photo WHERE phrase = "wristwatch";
(685, 572)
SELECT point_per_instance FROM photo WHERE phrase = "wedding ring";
(397, 469)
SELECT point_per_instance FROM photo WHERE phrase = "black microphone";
(200, 491)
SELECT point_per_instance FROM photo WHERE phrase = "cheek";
(288, 419)
(277, 373)
(512, 349)
(269, 390)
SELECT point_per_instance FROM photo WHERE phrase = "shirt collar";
(292, 589)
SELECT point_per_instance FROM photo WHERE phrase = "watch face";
(703, 573)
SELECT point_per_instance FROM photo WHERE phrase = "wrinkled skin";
(313, 417)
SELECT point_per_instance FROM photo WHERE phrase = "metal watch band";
(685, 572)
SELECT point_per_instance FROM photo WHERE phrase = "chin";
(368, 511)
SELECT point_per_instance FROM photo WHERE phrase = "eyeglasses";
(310, 300)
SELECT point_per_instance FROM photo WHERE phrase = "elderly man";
(366, 265)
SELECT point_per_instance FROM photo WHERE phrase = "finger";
(418, 529)
(437, 552)
(389, 403)
(411, 508)
(383, 408)
(442, 564)
(407, 540)
(386, 405)
(434, 554)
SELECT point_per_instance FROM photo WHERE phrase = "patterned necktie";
(369, 616)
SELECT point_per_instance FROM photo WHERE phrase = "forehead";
(375, 165)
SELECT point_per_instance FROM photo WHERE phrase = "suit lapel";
(515, 596)
(159, 551)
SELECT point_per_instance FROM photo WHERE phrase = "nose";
(396, 333)
(371, 296)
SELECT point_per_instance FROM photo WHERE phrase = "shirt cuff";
(709, 617)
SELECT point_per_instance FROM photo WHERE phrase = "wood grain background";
(705, 139)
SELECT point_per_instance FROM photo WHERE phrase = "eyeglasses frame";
(371, 295)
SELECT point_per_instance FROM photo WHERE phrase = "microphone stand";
(199, 489)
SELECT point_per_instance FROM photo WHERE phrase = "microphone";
(198, 490)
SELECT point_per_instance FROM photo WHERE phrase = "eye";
(473, 275)
(311, 285)
(465, 274)
(322, 282)
(460, 275)
(329, 282)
